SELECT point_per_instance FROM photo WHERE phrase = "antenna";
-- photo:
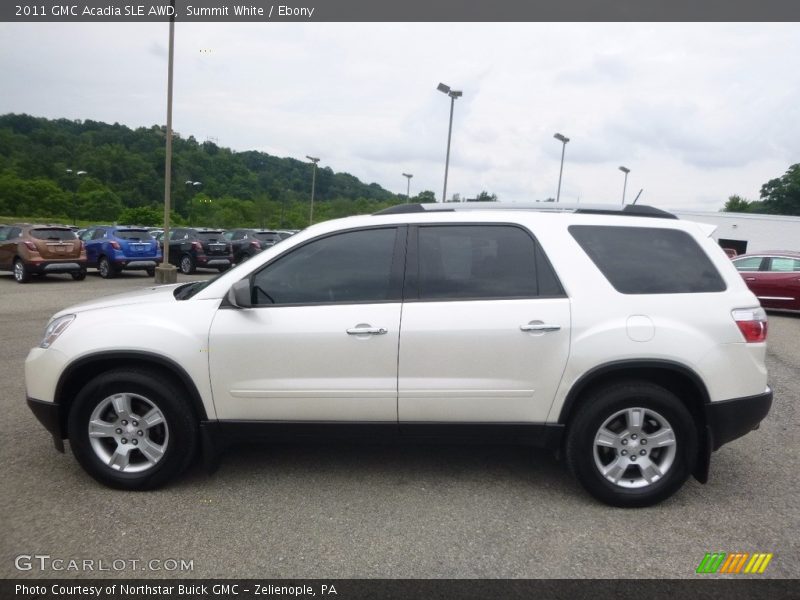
(637, 196)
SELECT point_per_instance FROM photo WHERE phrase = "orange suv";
(41, 249)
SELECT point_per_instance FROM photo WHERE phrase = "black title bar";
(328, 11)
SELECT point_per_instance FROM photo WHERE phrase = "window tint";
(98, 234)
(210, 236)
(348, 267)
(53, 234)
(267, 236)
(782, 265)
(478, 261)
(751, 263)
(649, 260)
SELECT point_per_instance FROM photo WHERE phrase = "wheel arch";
(679, 379)
(78, 373)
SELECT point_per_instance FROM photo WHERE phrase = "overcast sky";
(697, 112)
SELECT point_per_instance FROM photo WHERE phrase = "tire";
(223, 268)
(106, 269)
(21, 273)
(79, 275)
(187, 265)
(632, 444)
(151, 271)
(126, 453)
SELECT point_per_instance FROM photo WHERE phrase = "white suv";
(624, 339)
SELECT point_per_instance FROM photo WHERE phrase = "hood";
(149, 295)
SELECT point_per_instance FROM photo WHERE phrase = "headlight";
(55, 329)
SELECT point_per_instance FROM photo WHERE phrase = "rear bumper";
(56, 266)
(731, 419)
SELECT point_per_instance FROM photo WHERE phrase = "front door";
(320, 343)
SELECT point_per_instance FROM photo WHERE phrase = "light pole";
(78, 175)
(165, 272)
(190, 185)
(408, 177)
(313, 186)
(445, 89)
(625, 170)
(563, 140)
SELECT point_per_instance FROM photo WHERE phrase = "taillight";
(197, 246)
(31, 246)
(255, 244)
(115, 245)
(752, 323)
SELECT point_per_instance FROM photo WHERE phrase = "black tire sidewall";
(166, 396)
(599, 407)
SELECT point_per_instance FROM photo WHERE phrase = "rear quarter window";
(649, 260)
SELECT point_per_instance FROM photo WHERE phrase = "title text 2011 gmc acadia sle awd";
(624, 339)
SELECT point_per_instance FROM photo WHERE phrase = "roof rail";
(631, 210)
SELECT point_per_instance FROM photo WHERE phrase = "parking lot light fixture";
(408, 177)
(563, 139)
(625, 170)
(314, 160)
(453, 94)
(192, 185)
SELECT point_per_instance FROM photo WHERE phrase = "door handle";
(366, 330)
(540, 327)
(750, 278)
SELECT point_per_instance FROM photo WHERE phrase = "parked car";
(246, 243)
(41, 249)
(191, 248)
(113, 249)
(774, 277)
(621, 338)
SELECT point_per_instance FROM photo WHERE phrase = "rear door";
(486, 327)
(753, 271)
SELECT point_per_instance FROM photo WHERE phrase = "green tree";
(736, 204)
(781, 196)
(147, 216)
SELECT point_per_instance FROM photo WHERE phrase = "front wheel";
(129, 432)
(632, 444)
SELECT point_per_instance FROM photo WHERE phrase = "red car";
(772, 276)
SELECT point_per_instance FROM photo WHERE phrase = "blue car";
(111, 249)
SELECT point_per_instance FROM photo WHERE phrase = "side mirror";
(239, 294)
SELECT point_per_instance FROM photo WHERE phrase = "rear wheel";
(151, 271)
(632, 444)
(79, 275)
(223, 268)
(21, 274)
(107, 270)
(187, 264)
(131, 433)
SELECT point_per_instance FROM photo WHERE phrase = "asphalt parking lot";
(346, 511)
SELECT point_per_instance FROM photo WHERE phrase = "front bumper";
(731, 419)
(49, 415)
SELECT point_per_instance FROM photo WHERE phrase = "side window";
(228, 235)
(99, 234)
(649, 260)
(480, 261)
(87, 235)
(751, 263)
(14, 233)
(4, 231)
(355, 266)
(782, 265)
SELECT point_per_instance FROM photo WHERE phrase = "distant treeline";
(122, 179)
